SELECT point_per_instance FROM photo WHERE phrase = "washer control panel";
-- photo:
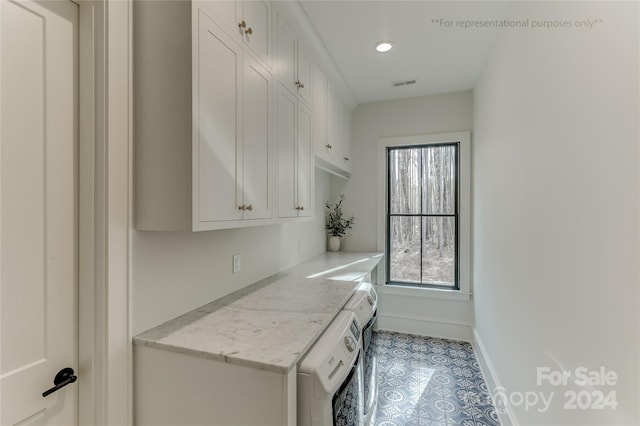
(355, 329)
(330, 359)
(350, 343)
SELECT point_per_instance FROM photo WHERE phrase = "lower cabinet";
(294, 155)
(178, 389)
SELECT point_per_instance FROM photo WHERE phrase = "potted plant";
(337, 225)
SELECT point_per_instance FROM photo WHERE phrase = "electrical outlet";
(236, 263)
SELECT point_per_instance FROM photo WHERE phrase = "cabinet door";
(286, 62)
(346, 140)
(226, 12)
(334, 119)
(257, 34)
(216, 174)
(257, 146)
(304, 178)
(287, 168)
(304, 81)
(319, 112)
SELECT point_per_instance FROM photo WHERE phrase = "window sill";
(426, 293)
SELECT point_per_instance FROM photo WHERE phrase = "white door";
(218, 177)
(286, 59)
(346, 140)
(38, 210)
(257, 34)
(287, 167)
(257, 150)
(319, 87)
(334, 124)
(304, 166)
(304, 74)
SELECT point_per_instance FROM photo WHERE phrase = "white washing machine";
(330, 376)
(364, 303)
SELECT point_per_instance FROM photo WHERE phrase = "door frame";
(105, 212)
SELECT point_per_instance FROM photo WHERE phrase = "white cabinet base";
(177, 389)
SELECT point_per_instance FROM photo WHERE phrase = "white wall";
(415, 116)
(175, 272)
(556, 210)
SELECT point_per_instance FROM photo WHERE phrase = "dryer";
(364, 304)
(330, 376)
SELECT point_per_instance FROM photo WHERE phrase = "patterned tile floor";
(429, 381)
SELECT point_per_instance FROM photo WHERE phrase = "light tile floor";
(429, 381)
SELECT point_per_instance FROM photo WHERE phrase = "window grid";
(455, 216)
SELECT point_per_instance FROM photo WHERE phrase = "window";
(422, 215)
(424, 220)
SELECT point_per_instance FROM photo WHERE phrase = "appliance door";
(367, 331)
(347, 402)
(369, 364)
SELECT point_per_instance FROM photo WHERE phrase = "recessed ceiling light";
(384, 46)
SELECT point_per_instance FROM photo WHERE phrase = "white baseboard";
(505, 412)
(425, 327)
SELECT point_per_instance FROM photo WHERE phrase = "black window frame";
(455, 215)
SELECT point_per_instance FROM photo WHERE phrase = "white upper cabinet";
(249, 21)
(304, 81)
(293, 62)
(321, 144)
(331, 127)
(255, 27)
(304, 175)
(346, 140)
(217, 167)
(335, 119)
(233, 149)
(229, 112)
(257, 149)
(204, 146)
(294, 176)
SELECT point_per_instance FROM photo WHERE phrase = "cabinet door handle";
(346, 158)
(242, 207)
(299, 84)
(249, 207)
(328, 146)
(242, 24)
(248, 31)
(301, 208)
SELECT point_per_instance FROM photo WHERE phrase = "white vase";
(334, 243)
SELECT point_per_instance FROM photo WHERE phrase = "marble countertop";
(270, 324)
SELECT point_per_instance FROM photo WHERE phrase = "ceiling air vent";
(402, 83)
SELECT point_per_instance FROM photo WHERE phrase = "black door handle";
(64, 377)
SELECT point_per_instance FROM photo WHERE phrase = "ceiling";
(441, 59)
